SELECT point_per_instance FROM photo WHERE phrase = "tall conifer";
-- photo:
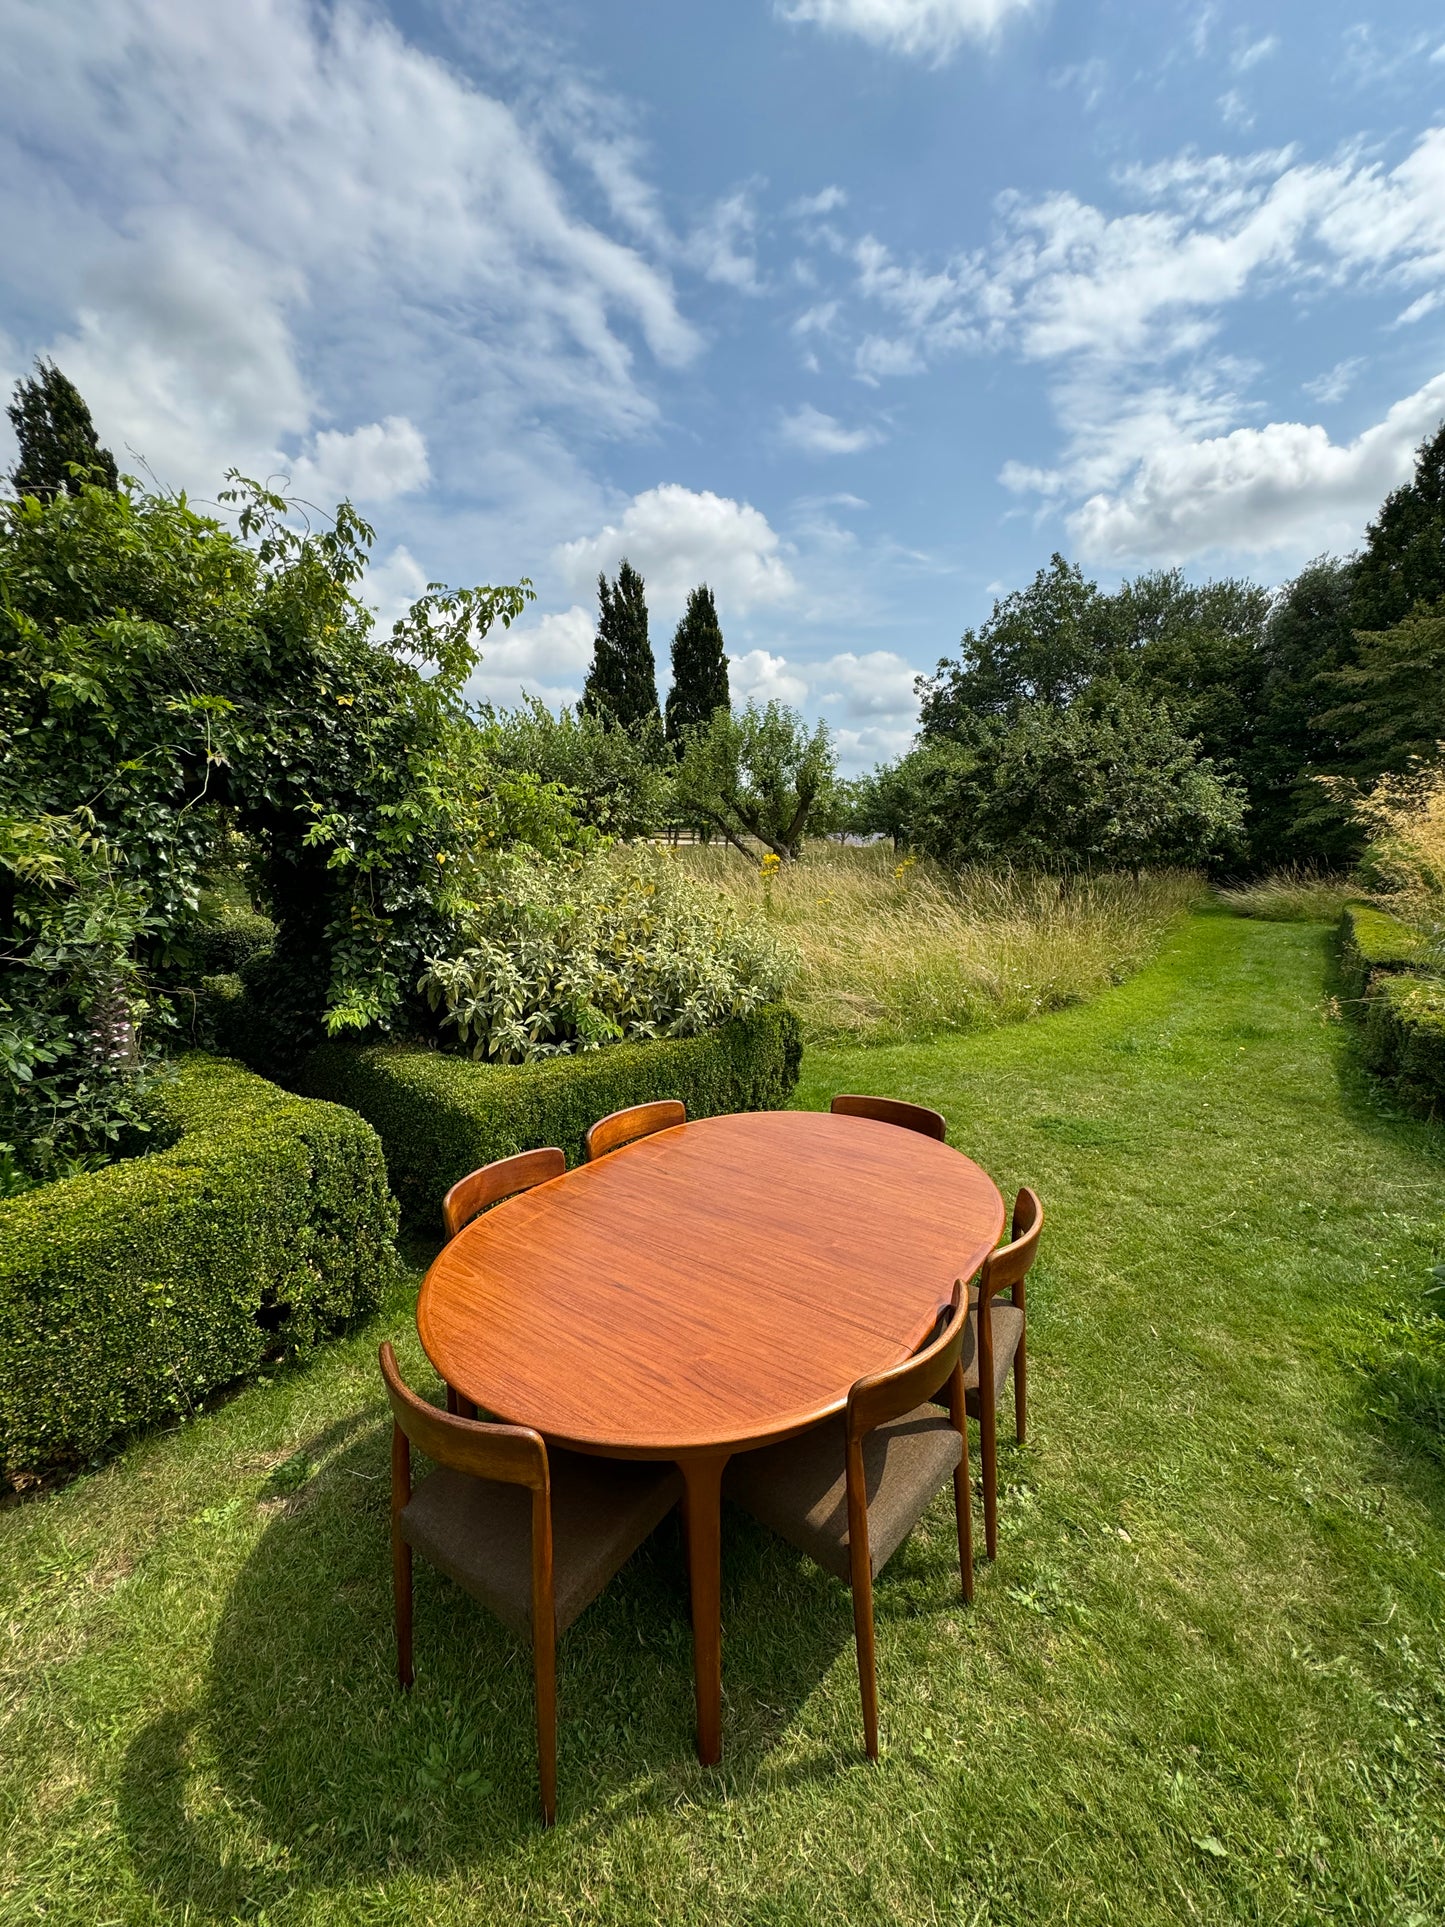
(1403, 560)
(54, 429)
(622, 682)
(699, 667)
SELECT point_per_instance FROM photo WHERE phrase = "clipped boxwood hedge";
(1372, 940)
(1405, 1035)
(440, 1116)
(128, 1293)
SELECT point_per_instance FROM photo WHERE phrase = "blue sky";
(855, 308)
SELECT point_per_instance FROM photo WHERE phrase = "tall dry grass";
(1291, 896)
(887, 950)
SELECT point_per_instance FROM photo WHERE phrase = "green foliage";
(1403, 560)
(610, 779)
(165, 674)
(126, 1295)
(1308, 636)
(57, 437)
(759, 772)
(621, 684)
(231, 933)
(568, 956)
(77, 1078)
(1108, 782)
(1405, 1035)
(1388, 712)
(1373, 941)
(699, 668)
(440, 1116)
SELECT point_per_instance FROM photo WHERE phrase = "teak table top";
(712, 1287)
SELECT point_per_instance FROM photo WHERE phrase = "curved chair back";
(892, 1110)
(1007, 1268)
(504, 1178)
(623, 1127)
(511, 1454)
(882, 1396)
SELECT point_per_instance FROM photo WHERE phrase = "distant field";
(890, 948)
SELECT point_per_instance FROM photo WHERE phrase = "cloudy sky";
(856, 309)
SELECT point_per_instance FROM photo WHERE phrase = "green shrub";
(572, 954)
(440, 1116)
(1372, 940)
(1405, 1035)
(233, 933)
(129, 1293)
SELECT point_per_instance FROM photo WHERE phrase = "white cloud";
(813, 205)
(1335, 383)
(1250, 52)
(1235, 110)
(677, 537)
(1257, 491)
(934, 28)
(371, 464)
(812, 432)
(365, 233)
(546, 656)
(763, 678)
(724, 247)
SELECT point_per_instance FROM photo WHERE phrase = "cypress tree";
(54, 429)
(1403, 560)
(622, 682)
(699, 668)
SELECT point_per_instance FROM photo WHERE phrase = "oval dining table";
(708, 1289)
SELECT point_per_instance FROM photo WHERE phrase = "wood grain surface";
(712, 1287)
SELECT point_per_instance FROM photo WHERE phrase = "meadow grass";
(1202, 1683)
(889, 948)
(1291, 896)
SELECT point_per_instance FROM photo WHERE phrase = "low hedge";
(440, 1116)
(127, 1294)
(1405, 1035)
(1372, 940)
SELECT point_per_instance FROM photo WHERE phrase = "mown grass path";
(1202, 1683)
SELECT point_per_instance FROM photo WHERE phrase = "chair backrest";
(892, 1110)
(638, 1120)
(1006, 1268)
(882, 1396)
(493, 1182)
(511, 1454)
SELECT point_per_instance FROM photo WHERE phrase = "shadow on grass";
(303, 1767)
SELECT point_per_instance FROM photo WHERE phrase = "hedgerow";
(1372, 940)
(127, 1294)
(440, 1116)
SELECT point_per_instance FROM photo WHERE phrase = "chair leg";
(963, 1511)
(401, 1585)
(988, 1454)
(544, 1681)
(862, 1578)
(1021, 1388)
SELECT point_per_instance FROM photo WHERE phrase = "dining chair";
(892, 1110)
(850, 1490)
(488, 1185)
(534, 1535)
(622, 1127)
(999, 1346)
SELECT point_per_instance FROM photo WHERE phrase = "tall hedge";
(1405, 1036)
(128, 1293)
(440, 1116)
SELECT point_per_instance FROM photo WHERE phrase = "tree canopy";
(759, 772)
(621, 684)
(699, 668)
(57, 436)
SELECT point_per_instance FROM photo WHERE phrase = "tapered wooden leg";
(862, 1580)
(1021, 1388)
(963, 1512)
(988, 1454)
(401, 1585)
(702, 1514)
(544, 1683)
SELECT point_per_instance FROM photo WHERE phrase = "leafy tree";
(1403, 560)
(759, 772)
(1107, 781)
(622, 681)
(160, 675)
(613, 782)
(56, 434)
(1044, 643)
(1389, 713)
(699, 668)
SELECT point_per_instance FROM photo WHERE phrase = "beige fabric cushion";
(799, 1489)
(479, 1532)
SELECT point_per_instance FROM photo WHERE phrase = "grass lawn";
(1203, 1681)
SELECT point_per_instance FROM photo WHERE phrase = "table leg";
(702, 1512)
